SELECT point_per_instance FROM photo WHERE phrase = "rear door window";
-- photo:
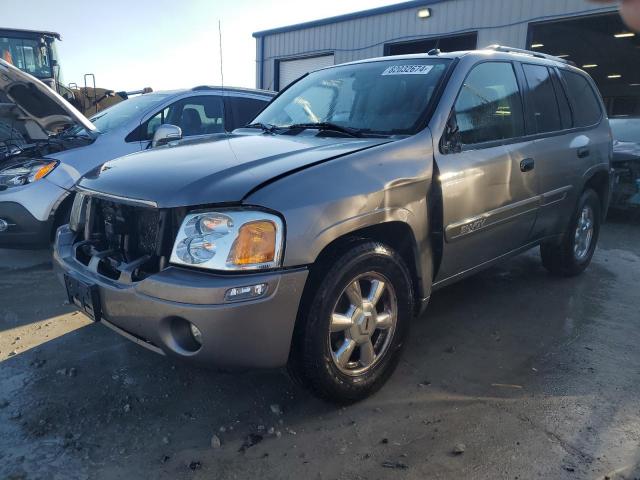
(243, 110)
(542, 99)
(489, 105)
(584, 102)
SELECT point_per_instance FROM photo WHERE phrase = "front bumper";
(254, 333)
(29, 211)
(24, 230)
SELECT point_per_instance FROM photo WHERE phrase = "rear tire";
(573, 255)
(352, 329)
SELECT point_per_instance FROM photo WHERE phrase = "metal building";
(588, 33)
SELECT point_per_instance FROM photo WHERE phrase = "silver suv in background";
(46, 145)
(626, 162)
(313, 237)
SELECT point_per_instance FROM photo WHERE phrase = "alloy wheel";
(584, 233)
(363, 322)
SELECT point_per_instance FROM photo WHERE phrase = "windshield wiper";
(327, 126)
(266, 127)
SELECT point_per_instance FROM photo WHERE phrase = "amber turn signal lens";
(44, 170)
(256, 243)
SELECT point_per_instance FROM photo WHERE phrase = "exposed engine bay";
(16, 148)
(130, 242)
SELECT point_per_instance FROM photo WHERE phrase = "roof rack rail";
(503, 48)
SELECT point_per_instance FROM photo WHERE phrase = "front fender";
(323, 203)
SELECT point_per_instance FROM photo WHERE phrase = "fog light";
(197, 334)
(245, 293)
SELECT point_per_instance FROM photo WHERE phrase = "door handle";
(527, 165)
(583, 152)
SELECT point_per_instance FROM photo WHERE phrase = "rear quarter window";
(584, 102)
(563, 102)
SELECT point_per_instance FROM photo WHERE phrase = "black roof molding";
(204, 88)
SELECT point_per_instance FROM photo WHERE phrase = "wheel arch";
(59, 212)
(396, 234)
(599, 180)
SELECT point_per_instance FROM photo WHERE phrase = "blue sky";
(164, 44)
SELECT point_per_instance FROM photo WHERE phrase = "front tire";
(573, 255)
(352, 329)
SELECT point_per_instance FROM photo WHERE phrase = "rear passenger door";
(561, 145)
(489, 194)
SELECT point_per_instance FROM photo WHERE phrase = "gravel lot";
(509, 374)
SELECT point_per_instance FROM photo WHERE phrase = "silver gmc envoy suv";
(311, 237)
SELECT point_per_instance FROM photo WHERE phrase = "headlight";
(229, 240)
(27, 172)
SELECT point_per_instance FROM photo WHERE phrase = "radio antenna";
(220, 41)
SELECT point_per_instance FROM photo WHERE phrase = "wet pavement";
(510, 374)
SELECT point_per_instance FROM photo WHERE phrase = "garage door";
(291, 70)
(604, 47)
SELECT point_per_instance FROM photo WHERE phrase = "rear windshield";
(626, 129)
(388, 97)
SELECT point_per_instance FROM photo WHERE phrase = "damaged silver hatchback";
(312, 237)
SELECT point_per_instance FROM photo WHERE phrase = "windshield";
(387, 97)
(626, 129)
(123, 112)
(29, 55)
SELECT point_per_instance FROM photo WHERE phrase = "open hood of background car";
(31, 111)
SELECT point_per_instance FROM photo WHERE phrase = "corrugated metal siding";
(497, 21)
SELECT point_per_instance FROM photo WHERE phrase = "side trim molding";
(492, 218)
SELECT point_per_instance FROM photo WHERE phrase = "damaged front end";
(122, 239)
(626, 181)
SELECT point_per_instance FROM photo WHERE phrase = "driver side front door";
(489, 192)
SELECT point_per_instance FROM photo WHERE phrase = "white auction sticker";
(408, 70)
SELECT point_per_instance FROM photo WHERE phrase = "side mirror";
(166, 133)
(451, 142)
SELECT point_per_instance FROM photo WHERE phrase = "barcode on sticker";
(408, 70)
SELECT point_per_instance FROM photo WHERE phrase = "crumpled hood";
(221, 171)
(625, 151)
(32, 109)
